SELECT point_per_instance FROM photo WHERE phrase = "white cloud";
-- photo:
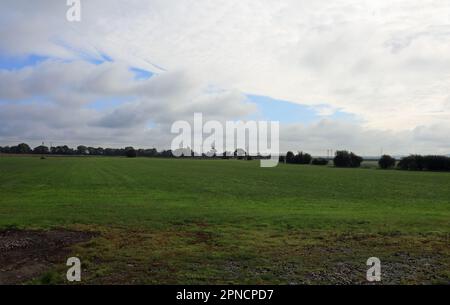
(387, 62)
(55, 101)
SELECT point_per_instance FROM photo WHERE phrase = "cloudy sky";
(361, 75)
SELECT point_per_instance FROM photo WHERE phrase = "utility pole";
(42, 155)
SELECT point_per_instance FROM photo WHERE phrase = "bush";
(62, 150)
(413, 162)
(240, 154)
(436, 163)
(345, 159)
(42, 150)
(418, 163)
(130, 152)
(290, 157)
(303, 158)
(300, 158)
(386, 162)
(319, 161)
(5, 150)
(22, 148)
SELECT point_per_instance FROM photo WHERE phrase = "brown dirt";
(26, 254)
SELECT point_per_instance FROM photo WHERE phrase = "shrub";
(436, 163)
(300, 158)
(62, 150)
(226, 156)
(431, 163)
(290, 157)
(345, 159)
(413, 162)
(342, 159)
(130, 152)
(42, 150)
(5, 149)
(240, 154)
(386, 162)
(303, 158)
(319, 161)
(22, 148)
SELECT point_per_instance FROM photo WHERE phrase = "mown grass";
(226, 221)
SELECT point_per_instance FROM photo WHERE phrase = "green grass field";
(225, 221)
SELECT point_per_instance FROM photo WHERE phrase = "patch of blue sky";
(95, 57)
(141, 74)
(100, 59)
(10, 63)
(288, 112)
(109, 103)
(151, 125)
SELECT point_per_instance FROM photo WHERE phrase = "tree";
(355, 161)
(290, 157)
(130, 152)
(345, 159)
(307, 158)
(92, 151)
(386, 162)
(22, 148)
(166, 154)
(240, 154)
(413, 163)
(41, 150)
(62, 150)
(100, 151)
(319, 161)
(431, 163)
(302, 158)
(5, 149)
(437, 163)
(82, 150)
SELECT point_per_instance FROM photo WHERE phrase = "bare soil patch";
(26, 254)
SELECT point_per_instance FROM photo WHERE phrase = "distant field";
(170, 221)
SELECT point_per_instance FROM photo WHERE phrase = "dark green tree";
(41, 150)
(386, 162)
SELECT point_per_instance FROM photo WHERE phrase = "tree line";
(82, 150)
(342, 158)
(417, 163)
(130, 151)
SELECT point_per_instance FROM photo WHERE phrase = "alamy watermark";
(374, 272)
(213, 138)
(74, 272)
(73, 14)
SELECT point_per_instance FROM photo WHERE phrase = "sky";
(367, 76)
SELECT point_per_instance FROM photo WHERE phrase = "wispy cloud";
(384, 63)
